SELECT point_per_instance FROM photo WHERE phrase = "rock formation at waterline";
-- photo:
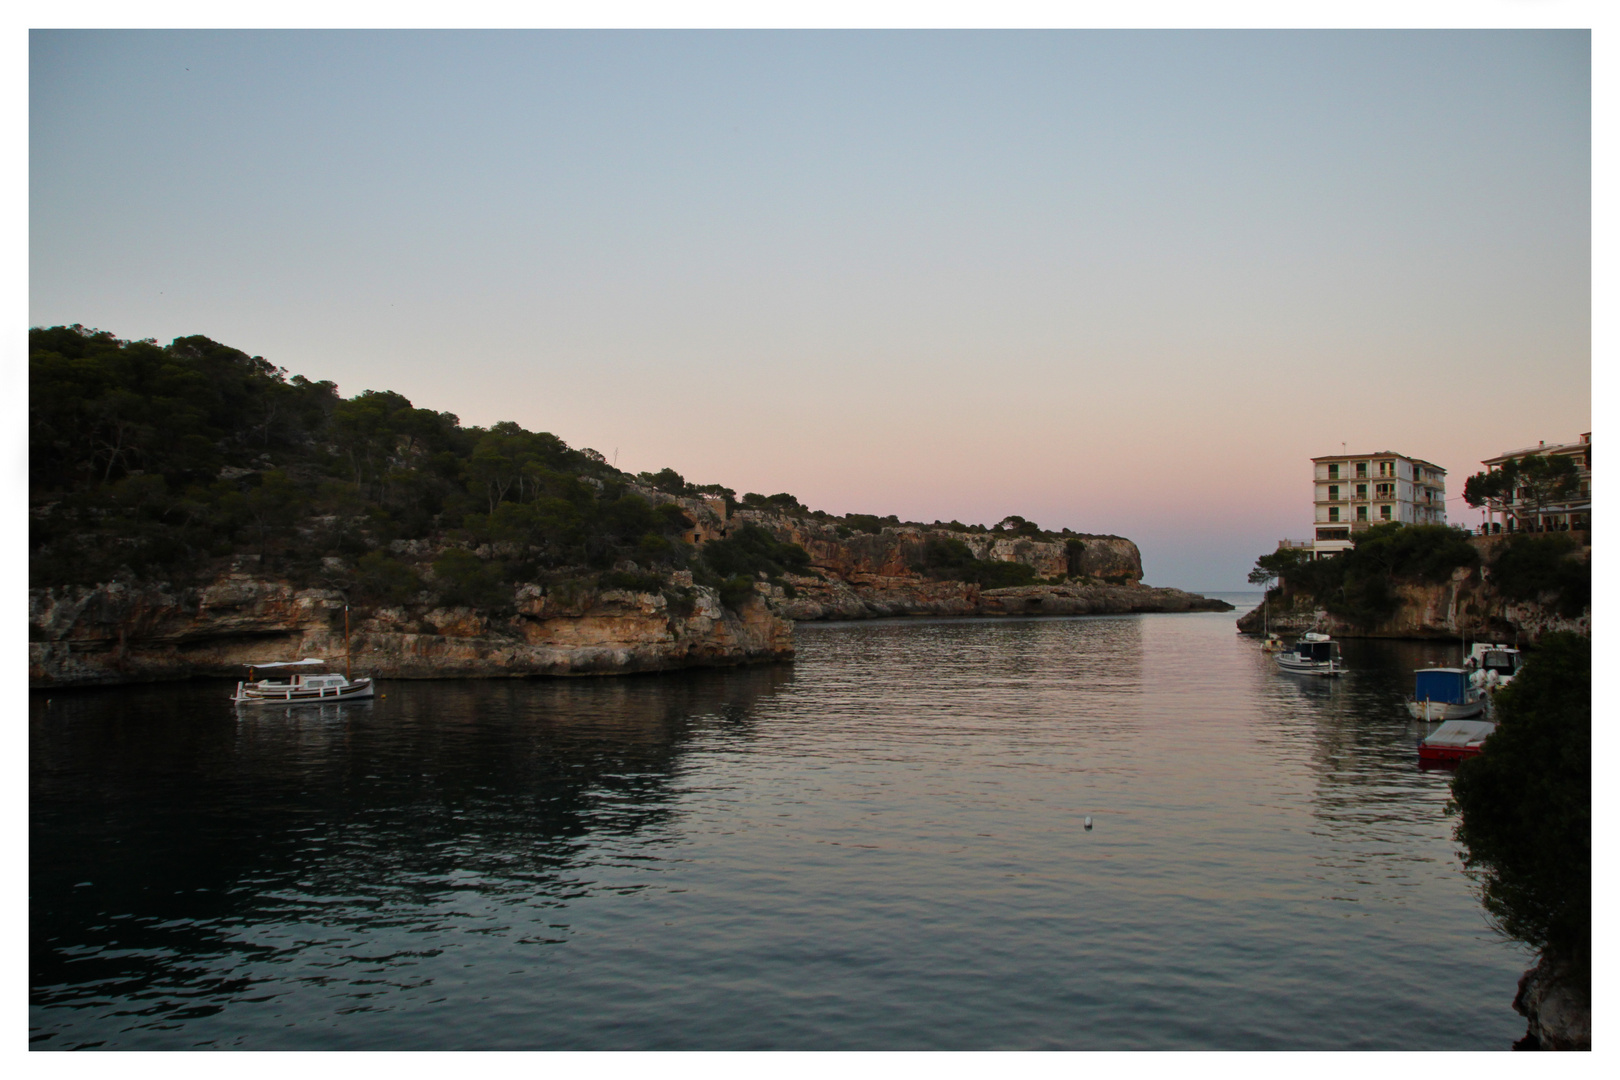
(124, 633)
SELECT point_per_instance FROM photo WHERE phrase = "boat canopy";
(1449, 685)
(1460, 733)
(1321, 651)
(306, 662)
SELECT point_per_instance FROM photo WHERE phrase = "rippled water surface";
(877, 846)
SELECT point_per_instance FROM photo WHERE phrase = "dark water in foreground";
(877, 847)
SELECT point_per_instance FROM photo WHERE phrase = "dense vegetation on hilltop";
(1525, 805)
(1359, 584)
(158, 462)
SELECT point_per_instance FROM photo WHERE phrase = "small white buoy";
(1088, 823)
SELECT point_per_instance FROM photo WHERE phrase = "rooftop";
(1381, 454)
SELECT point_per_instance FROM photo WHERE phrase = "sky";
(1119, 282)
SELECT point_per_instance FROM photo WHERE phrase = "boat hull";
(359, 690)
(1435, 712)
(1445, 755)
(1287, 662)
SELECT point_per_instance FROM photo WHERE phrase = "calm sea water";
(879, 846)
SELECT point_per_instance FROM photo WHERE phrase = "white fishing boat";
(1313, 654)
(299, 688)
(1445, 694)
(302, 687)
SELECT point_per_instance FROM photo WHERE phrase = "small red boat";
(1454, 740)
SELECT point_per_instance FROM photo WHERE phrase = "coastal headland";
(193, 509)
(122, 631)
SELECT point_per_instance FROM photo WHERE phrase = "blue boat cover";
(1442, 684)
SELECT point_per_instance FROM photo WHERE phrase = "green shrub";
(380, 578)
(949, 559)
(1530, 566)
(751, 551)
(735, 591)
(464, 580)
(1525, 804)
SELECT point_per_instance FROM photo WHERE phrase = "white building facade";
(1354, 492)
(1519, 513)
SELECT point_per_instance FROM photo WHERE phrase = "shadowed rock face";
(1558, 1006)
(118, 633)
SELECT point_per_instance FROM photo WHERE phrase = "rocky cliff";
(871, 575)
(123, 632)
(1559, 1007)
(1467, 607)
(118, 633)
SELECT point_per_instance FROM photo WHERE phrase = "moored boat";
(300, 688)
(1444, 694)
(1491, 667)
(1313, 654)
(1455, 740)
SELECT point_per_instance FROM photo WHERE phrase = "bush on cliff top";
(1524, 805)
(157, 461)
(1359, 584)
(1532, 566)
(946, 559)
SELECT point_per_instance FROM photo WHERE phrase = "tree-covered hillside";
(160, 462)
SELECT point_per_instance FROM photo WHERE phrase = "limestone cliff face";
(118, 633)
(869, 575)
(858, 557)
(1466, 607)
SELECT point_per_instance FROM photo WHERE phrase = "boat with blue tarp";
(1444, 693)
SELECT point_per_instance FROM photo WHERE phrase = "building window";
(1333, 513)
(1333, 492)
(1361, 513)
(1333, 471)
(1333, 534)
(1386, 491)
(1386, 468)
(1384, 512)
(1361, 491)
(1361, 470)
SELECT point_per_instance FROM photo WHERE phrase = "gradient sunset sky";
(1124, 282)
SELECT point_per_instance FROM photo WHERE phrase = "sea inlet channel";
(881, 845)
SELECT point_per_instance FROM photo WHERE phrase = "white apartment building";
(1518, 513)
(1357, 491)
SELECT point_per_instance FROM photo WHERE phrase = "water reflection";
(880, 846)
(179, 844)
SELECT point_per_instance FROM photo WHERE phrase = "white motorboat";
(1491, 667)
(299, 688)
(1313, 654)
(1445, 694)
